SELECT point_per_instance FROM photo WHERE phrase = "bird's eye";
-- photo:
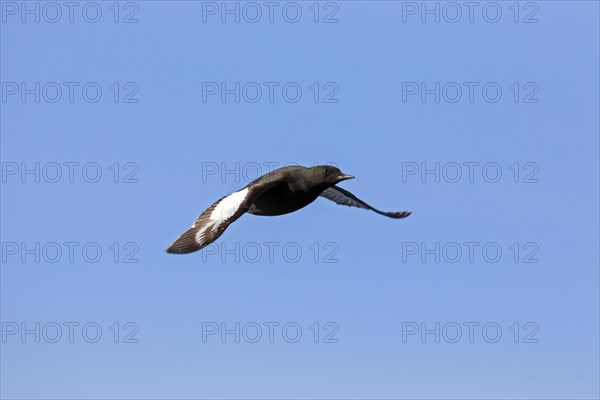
(325, 171)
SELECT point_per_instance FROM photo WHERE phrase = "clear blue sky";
(174, 139)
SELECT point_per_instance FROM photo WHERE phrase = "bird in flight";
(278, 192)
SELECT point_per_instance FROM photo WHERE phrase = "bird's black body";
(279, 192)
(281, 200)
(296, 190)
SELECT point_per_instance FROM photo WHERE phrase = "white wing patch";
(200, 236)
(227, 207)
(221, 213)
(211, 223)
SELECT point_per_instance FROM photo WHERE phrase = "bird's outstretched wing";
(345, 198)
(212, 223)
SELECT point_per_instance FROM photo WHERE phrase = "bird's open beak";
(344, 177)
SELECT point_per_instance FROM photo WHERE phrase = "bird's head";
(328, 175)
